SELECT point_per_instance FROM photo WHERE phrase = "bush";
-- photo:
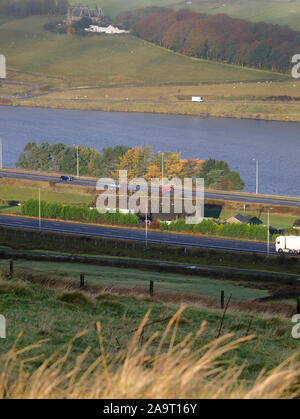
(68, 212)
(227, 230)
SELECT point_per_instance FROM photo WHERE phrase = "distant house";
(297, 225)
(102, 29)
(237, 219)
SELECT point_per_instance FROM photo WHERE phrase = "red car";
(167, 189)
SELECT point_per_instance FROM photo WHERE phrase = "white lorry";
(288, 244)
(198, 99)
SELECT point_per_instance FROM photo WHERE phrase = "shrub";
(68, 212)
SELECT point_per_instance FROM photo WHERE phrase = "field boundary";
(167, 267)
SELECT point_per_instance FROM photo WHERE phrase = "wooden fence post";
(151, 289)
(11, 267)
(298, 305)
(222, 299)
(81, 281)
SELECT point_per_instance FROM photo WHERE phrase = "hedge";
(226, 230)
(68, 212)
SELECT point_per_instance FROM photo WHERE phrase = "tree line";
(216, 37)
(138, 161)
(25, 8)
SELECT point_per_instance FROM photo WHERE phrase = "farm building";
(109, 29)
(237, 219)
(76, 13)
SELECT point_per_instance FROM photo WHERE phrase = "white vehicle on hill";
(288, 244)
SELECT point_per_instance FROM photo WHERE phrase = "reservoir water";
(276, 145)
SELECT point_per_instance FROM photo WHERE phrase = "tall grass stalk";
(150, 370)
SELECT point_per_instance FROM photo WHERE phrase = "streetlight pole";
(146, 236)
(162, 169)
(1, 154)
(256, 189)
(77, 161)
(268, 245)
(40, 219)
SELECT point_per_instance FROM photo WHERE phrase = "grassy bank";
(22, 190)
(249, 110)
(49, 309)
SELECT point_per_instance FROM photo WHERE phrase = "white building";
(109, 29)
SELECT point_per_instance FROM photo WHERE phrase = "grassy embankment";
(131, 75)
(47, 307)
(22, 190)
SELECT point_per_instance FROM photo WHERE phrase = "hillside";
(104, 60)
(218, 38)
(281, 12)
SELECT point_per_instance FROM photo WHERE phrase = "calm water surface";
(275, 144)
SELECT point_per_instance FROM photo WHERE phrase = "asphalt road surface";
(137, 235)
(208, 195)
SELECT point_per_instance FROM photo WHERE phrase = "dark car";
(66, 178)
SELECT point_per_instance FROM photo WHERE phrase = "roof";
(297, 224)
(86, 12)
(239, 218)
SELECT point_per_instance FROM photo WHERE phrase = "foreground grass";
(58, 314)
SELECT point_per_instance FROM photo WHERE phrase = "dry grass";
(143, 370)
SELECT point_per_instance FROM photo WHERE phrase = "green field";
(100, 60)
(282, 12)
(129, 278)
(276, 220)
(12, 193)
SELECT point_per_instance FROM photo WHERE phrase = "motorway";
(136, 235)
(274, 200)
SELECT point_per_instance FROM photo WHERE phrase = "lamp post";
(268, 245)
(256, 189)
(40, 218)
(162, 169)
(77, 161)
(146, 235)
(1, 154)
(77, 158)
